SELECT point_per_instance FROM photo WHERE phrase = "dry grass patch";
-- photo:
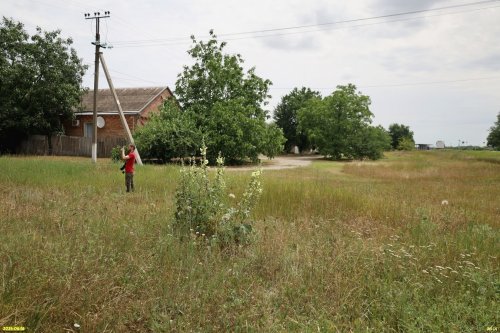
(338, 247)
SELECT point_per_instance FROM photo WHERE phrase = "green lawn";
(409, 243)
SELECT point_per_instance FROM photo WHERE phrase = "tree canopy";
(401, 137)
(169, 134)
(224, 104)
(494, 135)
(41, 79)
(285, 115)
(339, 125)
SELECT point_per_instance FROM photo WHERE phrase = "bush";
(171, 133)
(406, 143)
(202, 208)
(116, 154)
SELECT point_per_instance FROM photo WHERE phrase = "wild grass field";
(409, 243)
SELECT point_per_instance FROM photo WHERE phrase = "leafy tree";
(339, 125)
(169, 134)
(273, 140)
(406, 143)
(41, 80)
(285, 116)
(233, 131)
(372, 142)
(397, 133)
(225, 103)
(494, 135)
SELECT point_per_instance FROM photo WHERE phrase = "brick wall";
(153, 107)
(112, 128)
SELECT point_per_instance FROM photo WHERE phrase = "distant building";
(440, 144)
(423, 146)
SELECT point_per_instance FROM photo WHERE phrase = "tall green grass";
(405, 244)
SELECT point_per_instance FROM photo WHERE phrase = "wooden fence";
(68, 146)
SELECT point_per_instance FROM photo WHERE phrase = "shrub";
(116, 154)
(406, 143)
(202, 208)
(171, 133)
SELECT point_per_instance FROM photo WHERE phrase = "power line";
(273, 32)
(430, 82)
(393, 85)
(359, 25)
(118, 78)
(133, 78)
(366, 18)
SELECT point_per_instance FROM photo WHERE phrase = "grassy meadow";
(409, 243)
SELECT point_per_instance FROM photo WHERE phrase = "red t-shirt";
(129, 164)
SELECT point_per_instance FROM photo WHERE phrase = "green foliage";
(273, 141)
(41, 82)
(339, 125)
(285, 116)
(169, 134)
(406, 143)
(372, 143)
(216, 77)
(494, 135)
(225, 104)
(399, 132)
(202, 208)
(116, 154)
(233, 131)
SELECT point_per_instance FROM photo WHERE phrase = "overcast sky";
(435, 70)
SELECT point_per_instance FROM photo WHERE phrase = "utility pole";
(119, 107)
(97, 17)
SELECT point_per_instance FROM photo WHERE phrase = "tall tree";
(339, 125)
(13, 55)
(226, 104)
(41, 81)
(285, 116)
(494, 135)
(401, 136)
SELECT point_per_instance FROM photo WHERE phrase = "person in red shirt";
(129, 167)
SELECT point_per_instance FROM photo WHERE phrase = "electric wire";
(395, 85)
(325, 26)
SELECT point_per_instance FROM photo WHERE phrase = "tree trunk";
(49, 139)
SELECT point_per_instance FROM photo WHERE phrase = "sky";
(432, 65)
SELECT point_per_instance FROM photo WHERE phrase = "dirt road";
(281, 162)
